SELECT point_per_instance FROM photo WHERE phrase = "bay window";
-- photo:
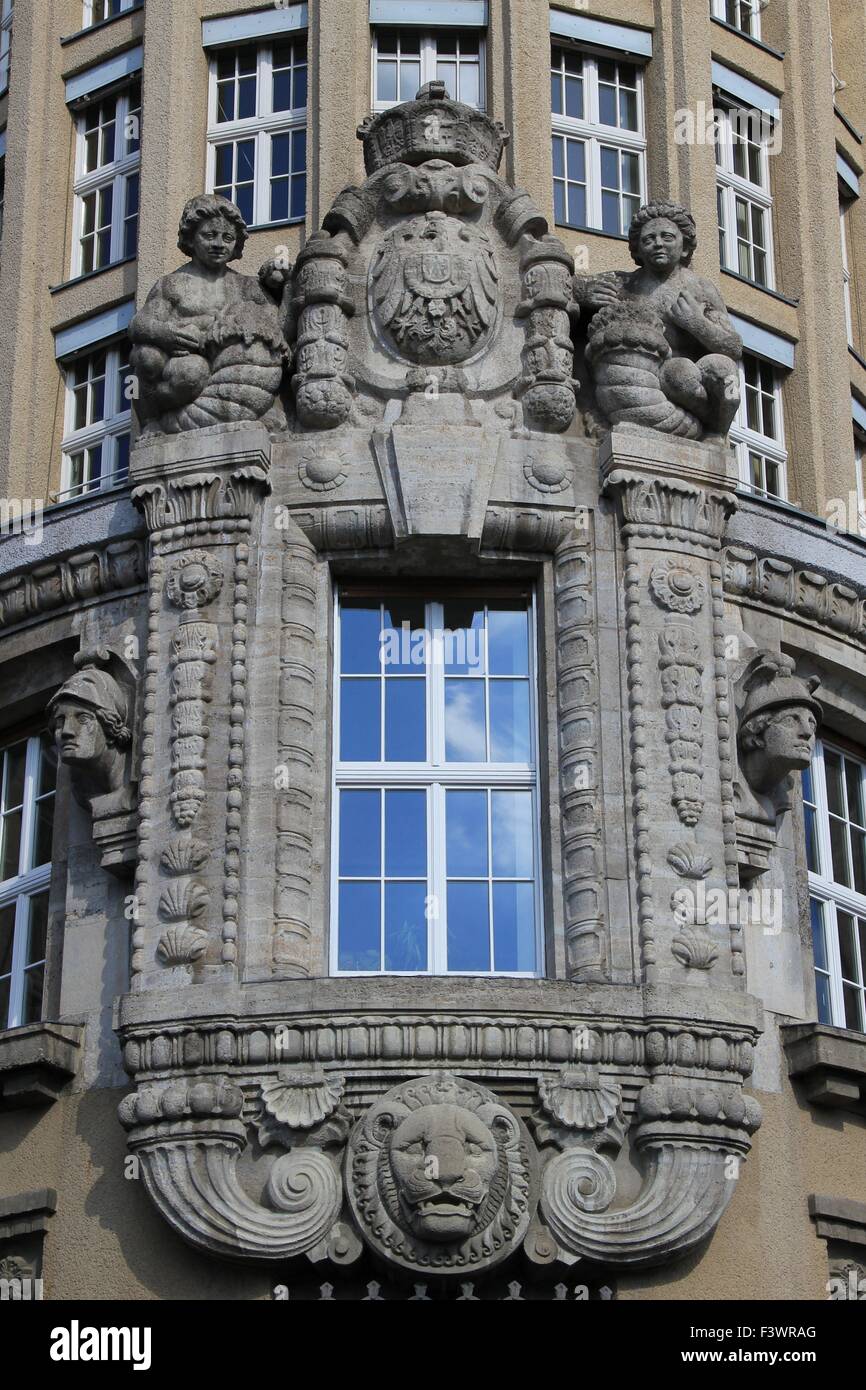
(435, 847)
(107, 180)
(744, 203)
(758, 432)
(257, 129)
(599, 146)
(406, 59)
(27, 782)
(834, 799)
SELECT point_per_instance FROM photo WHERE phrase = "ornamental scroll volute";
(434, 278)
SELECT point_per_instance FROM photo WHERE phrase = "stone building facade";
(434, 721)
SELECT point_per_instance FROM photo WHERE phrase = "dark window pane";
(611, 216)
(16, 760)
(609, 167)
(819, 944)
(559, 213)
(403, 638)
(360, 834)
(280, 146)
(852, 997)
(298, 201)
(405, 834)
(279, 200)
(244, 200)
(246, 98)
(299, 150)
(513, 926)
(7, 934)
(811, 841)
(4, 1001)
(225, 101)
(360, 721)
(38, 928)
(854, 788)
(359, 637)
(405, 721)
(246, 160)
(247, 58)
(556, 93)
(464, 721)
(299, 92)
(282, 90)
(574, 97)
(11, 844)
(47, 779)
(509, 722)
(468, 927)
(558, 157)
(224, 165)
(822, 990)
(34, 983)
(607, 105)
(405, 926)
(466, 834)
(847, 949)
(43, 832)
(858, 854)
(359, 907)
(511, 834)
(839, 851)
(576, 156)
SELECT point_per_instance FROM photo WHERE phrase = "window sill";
(857, 358)
(747, 38)
(269, 226)
(36, 1062)
(830, 1063)
(838, 1218)
(764, 289)
(101, 24)
(593, 231)
(90, 275)
(852, 129)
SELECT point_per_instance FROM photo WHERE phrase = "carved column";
(188, 881)
(675, 500)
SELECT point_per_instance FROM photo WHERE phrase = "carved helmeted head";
(89, 716)
(440, 1175)
(778, 721)
(662, 235)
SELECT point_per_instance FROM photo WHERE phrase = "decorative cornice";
(804, 593)
(85, 574)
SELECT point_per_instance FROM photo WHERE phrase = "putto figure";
(661, 347)
(207, 345)
(90, 717)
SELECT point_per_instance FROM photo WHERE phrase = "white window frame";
(438, 776)
(428, 46)
(732, 186)
(844, 205)
(752, 8)
(830, 894)
(747, 440)
(259, 128)
(860, 478)
(590, 132)
(117, 174)
(117, 421)
(6, 11)
(22, 887)
(90, 8)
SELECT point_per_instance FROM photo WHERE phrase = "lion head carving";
(441, 1175)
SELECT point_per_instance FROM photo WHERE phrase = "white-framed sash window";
(744, 15)
(758, 430)
(598, 140)
(257, 129)
(860, 480)
(27, 782)
(6, 10)
(97, 11)
(834, 802)
(406, 59)
(435, 846)
(107, 163)
(743, 198)
(98, 420)
(846, 269)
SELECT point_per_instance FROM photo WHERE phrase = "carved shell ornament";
(688, 861)
(440, 1176)
(433, 289)
(577, 1099)
(302, 1097)
(322, 467)
(677, 587)
(694, 950)
(194, 580)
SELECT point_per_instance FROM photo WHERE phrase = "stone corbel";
(188, 1137)
(691, 1142)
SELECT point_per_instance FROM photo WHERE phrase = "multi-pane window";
(257, 129)
(97, 431)
(406, 59)
(28, 770)
(758, 432)
(846, 269)
(743, 197)
(860, 477)
(744, 15)
(6, 8)
(435, 839)
(96, 11)
(107, 180)
(834, 799)
(599, 146)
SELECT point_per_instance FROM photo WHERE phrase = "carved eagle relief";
(434, 284)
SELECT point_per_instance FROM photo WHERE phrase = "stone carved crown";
(431, 127)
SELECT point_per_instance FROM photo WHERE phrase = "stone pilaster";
(675, 500)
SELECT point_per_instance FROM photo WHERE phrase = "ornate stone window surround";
(841, 992)
(95, 386)
(438, 778)
(24, 769)
(751, 188)
(432, 53)
(107, 179)
(597, 138)
(256, 70)
(761, 388)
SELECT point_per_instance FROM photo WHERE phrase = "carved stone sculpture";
(91, 719)
(207, 345)
(660, 345)
(440, 1176)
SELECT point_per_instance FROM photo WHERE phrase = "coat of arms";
(434, 285)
